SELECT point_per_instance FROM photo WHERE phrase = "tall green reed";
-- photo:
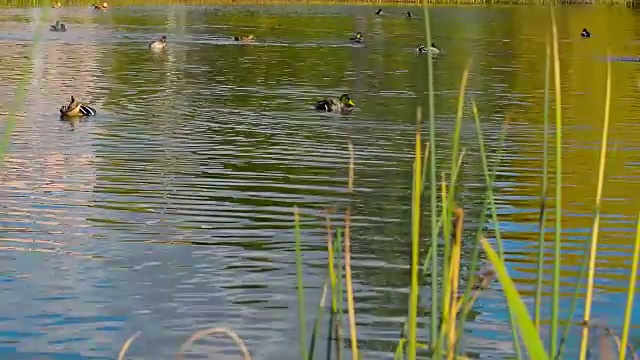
(555, 300)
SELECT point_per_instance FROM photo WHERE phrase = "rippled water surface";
(171, 210)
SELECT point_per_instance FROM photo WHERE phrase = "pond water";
(171, 210)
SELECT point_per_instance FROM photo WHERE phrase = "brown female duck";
(76, 109)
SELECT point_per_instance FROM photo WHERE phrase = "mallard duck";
(343, 104)
(59, 27)
(585, 33)
(433, 49)
(158, 44)
(76, 109)
(357, 38)
(379, 12)
(104, 6)
(56, 5)
(409, 14)
(248, 38)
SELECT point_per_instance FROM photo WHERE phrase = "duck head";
(421, 48)
(345, 100)
(163, 39)
(433, 45)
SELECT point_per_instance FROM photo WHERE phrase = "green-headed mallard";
(158, 44)
(343, 104)
(76, 109)
(248, 38)
(357, 38)
(56, 5)
(433, 49)
(59, 27)
(104, 6)
(585, 33)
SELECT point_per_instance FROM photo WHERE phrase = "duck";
(409, 14)
(59, 27)
(433, 49)
(248, 38)
(104, 6)
(76, 109)
(357, 38)
(56, 5)
(379, 12)
(158, 44)
(585, 33)
(343, 104)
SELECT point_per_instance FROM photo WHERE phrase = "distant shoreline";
(116, 3)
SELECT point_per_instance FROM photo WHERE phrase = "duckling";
(56, 5)
(409, 14)
(379, 12)
(59, 27)
(249, 38)
(343, 104)
(585, 33)
(104, 6)
(357, 38)
(158, 44)
(76, 109)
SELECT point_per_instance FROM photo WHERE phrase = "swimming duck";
(56, 5)
(409, 14)
(104, 6)
(248, 38)
(343, 104)
(158, 44)
(585, 33)
(76, 109)
(379, 12)
(59, 27)
(357, 38)
(433, 49)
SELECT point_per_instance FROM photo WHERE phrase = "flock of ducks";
(343, 104)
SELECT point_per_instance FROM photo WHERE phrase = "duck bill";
(351, 103)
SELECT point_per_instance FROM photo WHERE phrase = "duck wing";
(324, 105)
(87, 110)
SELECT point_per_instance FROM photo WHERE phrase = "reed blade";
(415, 245)
(347, 263)
(432, 182)
(530, 336)
(543, 192)
(300, 282)
(630, 293)
(494, 216)
(555, 297)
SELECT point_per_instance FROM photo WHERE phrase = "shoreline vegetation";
(388, 3)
